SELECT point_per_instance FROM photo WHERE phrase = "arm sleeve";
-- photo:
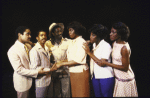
(19, 67)
(80, 55)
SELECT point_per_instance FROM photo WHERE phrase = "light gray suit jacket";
(40, 58)
(19, 60)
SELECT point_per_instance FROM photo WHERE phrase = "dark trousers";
(60, 85)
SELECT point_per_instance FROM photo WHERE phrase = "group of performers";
(60, 67)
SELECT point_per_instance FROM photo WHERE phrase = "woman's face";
(58, 33)
(93, 38)
(72, 33)
(113, 34)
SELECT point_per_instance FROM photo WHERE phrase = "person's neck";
(21, 41)
(76, 36)
(42, 45)
(119, 41)
(97, 42)
(58, 40)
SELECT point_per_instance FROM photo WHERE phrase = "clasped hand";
(101, 62)
(56, 66)
(41, 71)
(86, 47)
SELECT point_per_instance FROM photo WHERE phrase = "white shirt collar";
(94, 45)
(38, 45)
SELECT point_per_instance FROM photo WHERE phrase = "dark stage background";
(38, 14)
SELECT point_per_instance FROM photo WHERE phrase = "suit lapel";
(22, 50)
(44, 52)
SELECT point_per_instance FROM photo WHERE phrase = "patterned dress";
(125, 84)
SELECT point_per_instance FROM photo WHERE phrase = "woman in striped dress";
(125, 84)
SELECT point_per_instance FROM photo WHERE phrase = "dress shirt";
(76, 53)
(58, 50)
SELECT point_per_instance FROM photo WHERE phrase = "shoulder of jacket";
(13, 47)
(34, 49)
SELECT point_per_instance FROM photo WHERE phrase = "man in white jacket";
(19, 59)
(39, 57)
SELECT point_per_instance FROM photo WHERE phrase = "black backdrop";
(38, 14)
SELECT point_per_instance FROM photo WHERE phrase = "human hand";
(88, 41)
(31, 43)
(58, 64)
(86, 47)
(102, 62)
(54, 67)
(42, 71)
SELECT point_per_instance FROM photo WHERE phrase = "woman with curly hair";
(76, 60)
(102, 77)
(125, 84)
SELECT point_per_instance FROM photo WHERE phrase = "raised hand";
(86, 47)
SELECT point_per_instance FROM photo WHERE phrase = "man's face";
(58, 33)
(42, 37)
(26, 36)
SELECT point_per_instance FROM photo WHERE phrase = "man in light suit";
(19, 59)
(39, 57)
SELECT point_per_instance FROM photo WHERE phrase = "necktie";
(26, 50)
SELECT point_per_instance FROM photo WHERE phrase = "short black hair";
(20, 30)
(99, 30)
(122, 30)
(37, 34)
(79, 29)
